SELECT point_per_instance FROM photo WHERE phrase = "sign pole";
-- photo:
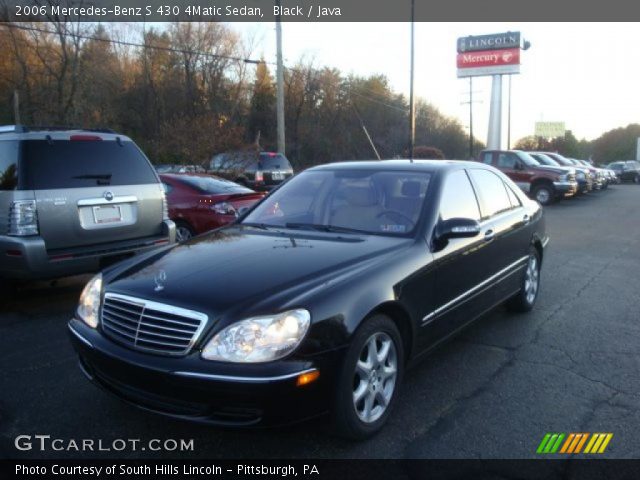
(470, 118)
(495, 114)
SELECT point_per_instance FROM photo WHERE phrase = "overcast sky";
(581, 73)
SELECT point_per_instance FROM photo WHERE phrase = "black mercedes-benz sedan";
(315, 300)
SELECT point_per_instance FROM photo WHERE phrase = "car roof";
(399, 165)
(178, 176)
(45, 133)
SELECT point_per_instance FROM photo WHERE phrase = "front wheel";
(369, 379)
(525, 299)
(183, 231)
(544, 194)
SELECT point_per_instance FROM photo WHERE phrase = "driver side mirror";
(518, 166)
(456, 228)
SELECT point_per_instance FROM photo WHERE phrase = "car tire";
(544, 194)
(184, 231)
(525, 299)
(371, 375)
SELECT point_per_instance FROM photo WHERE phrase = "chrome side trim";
(469, 292)
(231, 378)
(80, 337)
(103, 201)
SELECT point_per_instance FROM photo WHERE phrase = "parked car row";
(548, 176)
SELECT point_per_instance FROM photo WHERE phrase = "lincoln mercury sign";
(549, 129)
(495, 41)
(495, 54)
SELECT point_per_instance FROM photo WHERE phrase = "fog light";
(306, 378)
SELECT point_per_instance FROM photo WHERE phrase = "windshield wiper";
(261, 226)
(325, 228)
(102, 176)
(101, 179)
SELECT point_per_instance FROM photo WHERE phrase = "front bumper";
(27, 258)
(216, 393)
(566, 189)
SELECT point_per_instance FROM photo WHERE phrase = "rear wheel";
(184, 231)
(369, 379)
(525, 299)
(544, 194)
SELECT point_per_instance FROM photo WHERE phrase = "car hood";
(239, 268)
(558, 170)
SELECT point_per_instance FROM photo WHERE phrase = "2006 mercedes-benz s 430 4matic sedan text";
(317, 298)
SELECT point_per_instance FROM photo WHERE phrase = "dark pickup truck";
(543, 183)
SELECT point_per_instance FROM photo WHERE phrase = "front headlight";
(89, 304)
(580, 176)
(259, 339)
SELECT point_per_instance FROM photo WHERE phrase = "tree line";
(191, 90)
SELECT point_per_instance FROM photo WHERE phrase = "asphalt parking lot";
(572, 365)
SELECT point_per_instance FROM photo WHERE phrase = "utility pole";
(16, 108)
(280, 85)
(412, 107)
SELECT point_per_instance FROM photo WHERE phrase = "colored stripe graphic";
(598, 443)
(573, 443)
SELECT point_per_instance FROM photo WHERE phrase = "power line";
(131, 44)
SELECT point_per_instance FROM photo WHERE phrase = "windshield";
(361, 201)
(213, 185)
(545, 160)
(560, 159)
(527, 159)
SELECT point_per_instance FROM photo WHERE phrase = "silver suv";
(75, 201)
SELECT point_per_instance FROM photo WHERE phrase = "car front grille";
(151, 326)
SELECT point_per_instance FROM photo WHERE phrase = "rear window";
(9, 165)
(213, 185)
(273, 160)
(68, 164)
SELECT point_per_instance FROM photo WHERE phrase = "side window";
(507, 160)
(458, 198)
(8, 165)
(492, 192)
(513, 198)
(487, 157)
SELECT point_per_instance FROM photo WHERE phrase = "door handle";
(488, 235)
(526, 219)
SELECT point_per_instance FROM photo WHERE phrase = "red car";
(199, 203)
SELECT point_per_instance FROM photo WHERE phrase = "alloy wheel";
(375, 377)
(531, 279)
(543, 196)
(183, 233)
